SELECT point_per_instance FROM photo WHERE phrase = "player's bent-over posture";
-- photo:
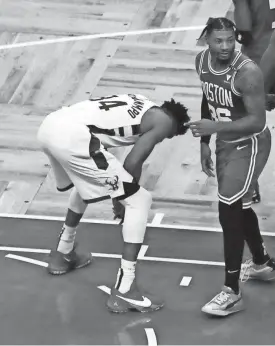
(233, 96)
(76, 140)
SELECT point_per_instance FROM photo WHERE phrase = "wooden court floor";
(38, 79)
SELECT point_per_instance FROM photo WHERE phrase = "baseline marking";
(21, 249)
(157, 219)
(111, 222)
(105, 255)
(185, 281)
(151, 337)
(105, 289)
(142, 251)
(106, 35)
(28, 260)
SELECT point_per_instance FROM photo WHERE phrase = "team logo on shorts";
(112, 182)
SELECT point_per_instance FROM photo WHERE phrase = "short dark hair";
(179, 112)
(219, 23)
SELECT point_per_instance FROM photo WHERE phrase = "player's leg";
(261, 266)
(64, 258)
(125, 294)
(137, 201)
(232, 171)
(98, 174)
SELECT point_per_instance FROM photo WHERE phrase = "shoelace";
(221, 297)
(245, 269)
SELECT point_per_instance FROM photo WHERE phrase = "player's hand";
(204, 127)
(118, 210)
(270, 102)
(206, 161)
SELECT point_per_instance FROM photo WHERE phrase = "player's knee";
(76, 203)
(141, 199)
(137, 209)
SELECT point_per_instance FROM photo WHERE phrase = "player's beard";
(226, 57)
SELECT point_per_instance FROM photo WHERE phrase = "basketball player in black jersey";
(233, 96)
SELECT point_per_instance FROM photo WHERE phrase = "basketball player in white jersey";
(76, 140)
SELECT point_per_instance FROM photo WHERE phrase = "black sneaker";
(60, 263)
(131, 300)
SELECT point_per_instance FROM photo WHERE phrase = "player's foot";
(60, 263)
(131, 300)
(224, 303)
(263, 272)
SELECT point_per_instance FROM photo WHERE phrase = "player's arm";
(267, 64)
(243, 20)
(152, 134)
(205, 113)
(250, 84)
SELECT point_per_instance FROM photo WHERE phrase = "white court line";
(183, 261)
(151, 259)
(142, 251)
(105, 289)
(105, 255)
(110, 222)
(151, 337)
(105, 35)
(22, 249)
(186, 281)
(28, 260)
(157, 219)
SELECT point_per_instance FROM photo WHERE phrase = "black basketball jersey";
(224, 101)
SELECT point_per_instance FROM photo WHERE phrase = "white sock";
(66, 242)
(125, 276)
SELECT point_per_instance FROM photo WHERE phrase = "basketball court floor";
(182, 266)
(55, 53)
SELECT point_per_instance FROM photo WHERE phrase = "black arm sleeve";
(205, 114)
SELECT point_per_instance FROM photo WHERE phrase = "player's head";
(220, 37)
(179, 113)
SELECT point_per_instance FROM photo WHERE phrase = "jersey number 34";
(107, 105)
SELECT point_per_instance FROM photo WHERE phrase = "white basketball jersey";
(114, 119)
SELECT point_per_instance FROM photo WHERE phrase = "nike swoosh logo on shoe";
(67, 259)
(146, 303)
(239, 148)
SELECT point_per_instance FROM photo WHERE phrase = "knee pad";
(76, 203)
(137, 209)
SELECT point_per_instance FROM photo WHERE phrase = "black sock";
(231, 219)
(253, 237)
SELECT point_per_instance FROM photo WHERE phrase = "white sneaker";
(224, 303)
(263, 272)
